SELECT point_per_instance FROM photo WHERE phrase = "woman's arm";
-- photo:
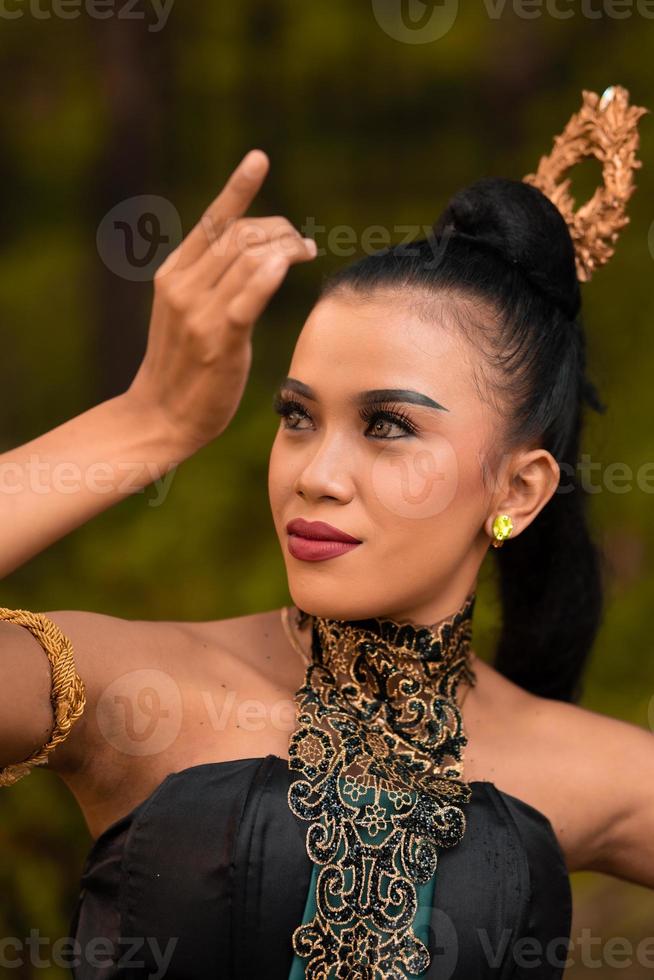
(60, 480)
(27, 717)
(600, 770)
(623, 761)
(208, 294)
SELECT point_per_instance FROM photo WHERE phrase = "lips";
(319, 531)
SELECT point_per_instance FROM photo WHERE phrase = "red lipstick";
(316, 540)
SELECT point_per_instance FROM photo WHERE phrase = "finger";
(233, 200)
(248, 305)
(252, 234)
(242, 275)
(245, 266)
(168, 264)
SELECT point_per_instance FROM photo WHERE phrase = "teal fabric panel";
(424, 893)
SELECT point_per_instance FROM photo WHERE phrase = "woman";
(301, 804)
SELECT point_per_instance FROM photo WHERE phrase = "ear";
(530, 482)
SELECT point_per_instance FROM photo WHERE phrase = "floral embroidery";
(361, 950)
(353, 789)
(399, 798)
(374, 819)
(379, 779)
(313, 748)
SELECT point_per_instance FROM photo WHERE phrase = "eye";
(290, 409)
(377, 413)
(287, 408)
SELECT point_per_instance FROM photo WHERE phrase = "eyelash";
(288, 406)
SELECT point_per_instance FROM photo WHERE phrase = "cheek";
(273, 474)
(280, 479)
(418, 484)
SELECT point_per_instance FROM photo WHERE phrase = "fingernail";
(253, 163)
(312, 248)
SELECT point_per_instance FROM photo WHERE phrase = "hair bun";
(521, 225)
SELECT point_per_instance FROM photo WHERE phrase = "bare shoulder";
(250, 644)
(156, 693)
(107, 649)
(591, 774)
(604, 768)
(235, 631)
(116, 657)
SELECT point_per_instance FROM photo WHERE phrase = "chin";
(318, 602)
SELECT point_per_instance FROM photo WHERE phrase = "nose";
(327, 473)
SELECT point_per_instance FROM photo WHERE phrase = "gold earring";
(502, 527)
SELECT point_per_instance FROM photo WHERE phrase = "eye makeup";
(372, 413)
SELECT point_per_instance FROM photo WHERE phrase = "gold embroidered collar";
(377, 756)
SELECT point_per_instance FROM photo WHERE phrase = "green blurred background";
(365, 124)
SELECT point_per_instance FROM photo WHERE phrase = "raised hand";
(207, 297)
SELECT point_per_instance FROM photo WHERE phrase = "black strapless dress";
(207, 879)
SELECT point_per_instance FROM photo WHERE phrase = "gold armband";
(67, 695)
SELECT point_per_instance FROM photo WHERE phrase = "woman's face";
(415, 497)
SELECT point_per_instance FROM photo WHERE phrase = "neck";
(429, 643)
(396, 674)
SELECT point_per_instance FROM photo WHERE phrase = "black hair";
(502, 258)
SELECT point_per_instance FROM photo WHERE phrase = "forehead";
(382, 342)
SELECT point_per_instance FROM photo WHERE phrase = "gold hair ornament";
(606, 128)
(68, 694)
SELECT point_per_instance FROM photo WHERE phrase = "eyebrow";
(407, 395)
